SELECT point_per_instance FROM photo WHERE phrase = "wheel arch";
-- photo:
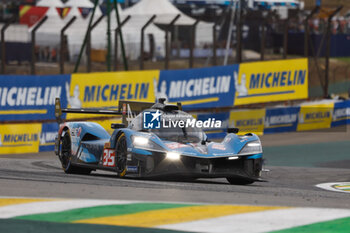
(116, 135)
(64, 128)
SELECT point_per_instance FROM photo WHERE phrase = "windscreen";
(176, 126)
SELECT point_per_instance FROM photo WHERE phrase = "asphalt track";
(297, 162)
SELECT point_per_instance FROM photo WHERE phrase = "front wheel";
(66, 157)
(239, 181)
(121, 155)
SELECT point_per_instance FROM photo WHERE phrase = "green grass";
(308, 155)
(99, 211)
(26, 226)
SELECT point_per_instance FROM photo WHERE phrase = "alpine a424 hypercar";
(135, 151)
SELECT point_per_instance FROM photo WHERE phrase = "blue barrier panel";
(31, 97)
(341, 113)
(47, 136)
(279, 120)
(340, 44)
(198, 88)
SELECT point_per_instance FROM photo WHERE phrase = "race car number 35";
(108, 158)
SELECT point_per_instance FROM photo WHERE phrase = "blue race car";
(137, 151)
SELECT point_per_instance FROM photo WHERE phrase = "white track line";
(263, 221)
(329, 187)
(11, 211)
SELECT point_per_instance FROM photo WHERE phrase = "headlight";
(252, 148)
(141, 142)
(233, 158)
(173, 156)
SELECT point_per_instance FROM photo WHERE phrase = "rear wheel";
(121, 155)
(66, 157)
(239, 181)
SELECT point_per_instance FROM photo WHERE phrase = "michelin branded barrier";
(235, 85)
(32, 138)
(31, 98)
(308, 116)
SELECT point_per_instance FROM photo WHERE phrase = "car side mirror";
(117, 126)
(233, 130)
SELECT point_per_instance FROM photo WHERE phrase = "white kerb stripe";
(329, 187)
(11, 211)
(262, 221)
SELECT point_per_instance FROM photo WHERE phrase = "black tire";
(66, 157)
(238, 181)
(121, 155)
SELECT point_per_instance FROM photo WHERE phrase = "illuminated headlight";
(252, 148)
(145, 143)
(173, 156)
(140, 141)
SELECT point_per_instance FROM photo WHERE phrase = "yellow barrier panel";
(261, 82)
(98, 90)
(318, 116)
(19, 138)
(248, 121)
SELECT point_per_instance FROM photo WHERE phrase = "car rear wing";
(125, 109)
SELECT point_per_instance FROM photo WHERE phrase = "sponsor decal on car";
(108, 158)
(132, 169)
(175, 145)
(218, 146)
(75, 132)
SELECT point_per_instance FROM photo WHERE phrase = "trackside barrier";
(32, 98)
(309, 116)
(32, 138)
